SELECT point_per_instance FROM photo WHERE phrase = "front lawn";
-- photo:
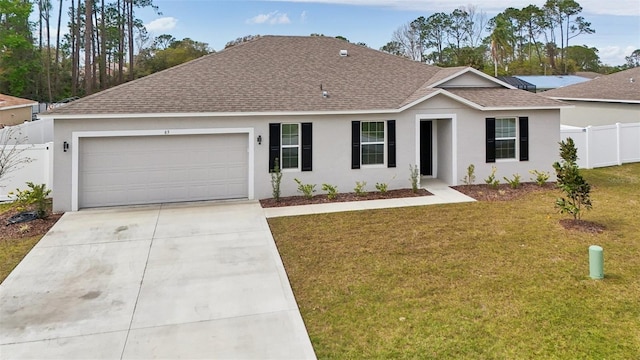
(484, 280)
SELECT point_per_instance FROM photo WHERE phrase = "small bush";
(359, 189)
(414, 177)
(491, 179)
(306, 189)
(572, 184)
(332, 191)
(541, 177)
(382, 187)
(513, 183)
(276, 179)
(470, 177)
(34, 198)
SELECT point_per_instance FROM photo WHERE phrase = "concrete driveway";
(198, 280)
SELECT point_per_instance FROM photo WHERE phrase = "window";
(290, 148)
(372, 143)
(290, 143)
(506, 138)
(368, 143)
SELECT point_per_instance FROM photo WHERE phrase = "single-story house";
(544, 83)
(15, 110)
(605, 100)
(326, 110)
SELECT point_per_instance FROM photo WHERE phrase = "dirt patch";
(25, 229)
(582, 225)
(503, 192)
(342, 197)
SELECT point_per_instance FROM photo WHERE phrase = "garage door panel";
(156, 169)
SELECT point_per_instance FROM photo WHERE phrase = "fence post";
(618, 144)
(587, 138)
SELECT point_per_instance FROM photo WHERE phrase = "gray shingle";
(615, 87)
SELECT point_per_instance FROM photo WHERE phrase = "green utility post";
(596, 262)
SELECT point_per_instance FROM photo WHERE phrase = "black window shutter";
(306, 146)
(524, 138)
(491, 140)
(274, 145)
(355, 144)
(391, 143)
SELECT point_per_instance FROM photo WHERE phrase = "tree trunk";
(121, 41)
(130, 23)
(88, 31)
(57, 69)
(103, 49)
(47, 63)
(74, 68)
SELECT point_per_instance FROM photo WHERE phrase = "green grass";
(485, 280)
(12, 251)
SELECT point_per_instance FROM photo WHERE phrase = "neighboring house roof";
(11, 102)
(551, 81)
(518, 83)
(623, 86)
(283, 74)
(588, 74)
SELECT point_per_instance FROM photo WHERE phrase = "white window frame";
(297, 146)
(514, 138)
(383, 143)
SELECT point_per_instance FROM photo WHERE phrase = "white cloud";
(272, 18)
(614, 55)
(599, 7)
(303, 17)
(162, 24)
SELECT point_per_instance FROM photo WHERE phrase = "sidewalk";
(442, 194)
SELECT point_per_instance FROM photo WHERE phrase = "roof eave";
(477, 72)
(595, 100)
(18, 106)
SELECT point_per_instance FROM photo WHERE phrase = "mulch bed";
(582, 225)
(25, 229)
(484, 192)
(342, 197)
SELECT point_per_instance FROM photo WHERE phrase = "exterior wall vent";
(344, 53)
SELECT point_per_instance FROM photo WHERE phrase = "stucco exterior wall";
(585, 113)
(15, 116)
(460, 130)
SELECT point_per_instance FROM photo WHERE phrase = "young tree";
(11, 154)
(571, 182)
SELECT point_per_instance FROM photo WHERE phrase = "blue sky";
(617, 22)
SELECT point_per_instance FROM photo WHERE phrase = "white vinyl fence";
(600, 146)
(34, 132)
(38, 170)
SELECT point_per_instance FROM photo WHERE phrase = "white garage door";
(156, 169)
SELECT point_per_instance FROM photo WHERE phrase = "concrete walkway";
(442, 194)
(198, 280)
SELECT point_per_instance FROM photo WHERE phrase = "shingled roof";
(623, 86)
(274, 74)
(12, 102)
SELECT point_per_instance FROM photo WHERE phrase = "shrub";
(332, 191)
(359, 189)
(276, 179)
(470, 177)
(414, 177)
(513, 183)
(541, 177)
(491, 179)
(34, 198)
(382, 187)
(571, 182)
(306, 189)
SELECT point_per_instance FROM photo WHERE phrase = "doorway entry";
(426, 147)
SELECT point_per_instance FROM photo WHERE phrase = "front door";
(426, 148)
